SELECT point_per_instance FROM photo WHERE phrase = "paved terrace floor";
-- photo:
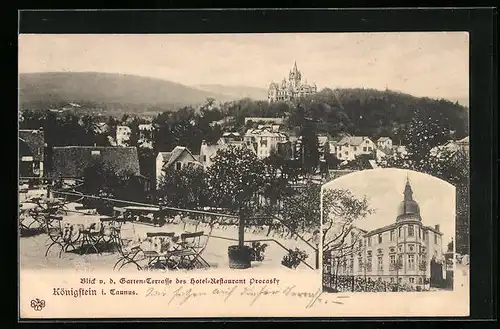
(32, 249)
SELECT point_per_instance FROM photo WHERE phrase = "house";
(146, 135)
(348, 148)
(70, 162)
(231, 137)
(123, 135)
(402, 251)
(452, 146)
(31, 153)
(180, 157)
(264, 139)
(384, 143)
(207, 152)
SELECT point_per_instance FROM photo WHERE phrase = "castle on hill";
(292, 89)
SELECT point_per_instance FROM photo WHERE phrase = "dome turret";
(408, 209)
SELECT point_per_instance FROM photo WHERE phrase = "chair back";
(197, 240)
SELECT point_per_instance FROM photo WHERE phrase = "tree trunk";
(241, 229)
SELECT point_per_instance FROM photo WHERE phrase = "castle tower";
(295, 76)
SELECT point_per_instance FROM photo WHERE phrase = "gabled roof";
(383, 139)
(464, 140)
(170, 157)
(71, 161)
(353, 140)
(33, 143)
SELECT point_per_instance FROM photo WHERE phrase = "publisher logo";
(37, 304)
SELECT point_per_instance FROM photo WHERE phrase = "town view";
(127, 172)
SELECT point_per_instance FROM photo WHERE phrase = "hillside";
(110, 92)
(236, 92)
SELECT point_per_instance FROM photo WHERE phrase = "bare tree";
(341, 209)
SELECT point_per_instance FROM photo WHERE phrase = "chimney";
(436, 227)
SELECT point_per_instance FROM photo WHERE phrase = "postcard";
(243, 175)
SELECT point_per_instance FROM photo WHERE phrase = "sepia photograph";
(390, 230)
(290, 165)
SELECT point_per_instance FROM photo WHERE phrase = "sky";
(384, 191)
(432, 64)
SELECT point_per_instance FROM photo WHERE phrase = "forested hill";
(108, 92)
(366, 112)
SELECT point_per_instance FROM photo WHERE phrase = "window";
(392, 235)
(419, 232)
(399, 249)
(393, 259)
(400, 280)
(412, 280)
(355, 148)
(369, 148)
(411, 248)
(420, 280)
(435, 238)
(411, 231)
(178, 165)
(364, 148)
(346, 153)
(360, 263)
(400, 232)
(380, 263)
(379, 279)
(380, 238)
(369, 241)
(392, 280)
(369, 264)
(411, 262)
(205, 157)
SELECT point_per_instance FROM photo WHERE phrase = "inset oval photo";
(388, 230)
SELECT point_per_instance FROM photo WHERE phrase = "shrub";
(294, 258)
(257, 251)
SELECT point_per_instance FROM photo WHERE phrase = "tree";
(235, 176)
(309, 149)
(341, 210)
(184, 188)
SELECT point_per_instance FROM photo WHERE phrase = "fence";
(351, 283)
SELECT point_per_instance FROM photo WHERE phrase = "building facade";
(146, 132)
(31, 153)
(384, 143)
(123, 135)
(180, 157)
(264, 139)
(403, 252)
(292, 89)
(348, 148)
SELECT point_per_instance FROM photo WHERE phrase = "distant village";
(262, 135)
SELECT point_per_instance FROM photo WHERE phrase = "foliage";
(294, 258)
(361, 162)
(120, 184)
(184, 188)
(257, 251)
(341, 209)
(234, 177)
(301, 209)
(309, 149)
